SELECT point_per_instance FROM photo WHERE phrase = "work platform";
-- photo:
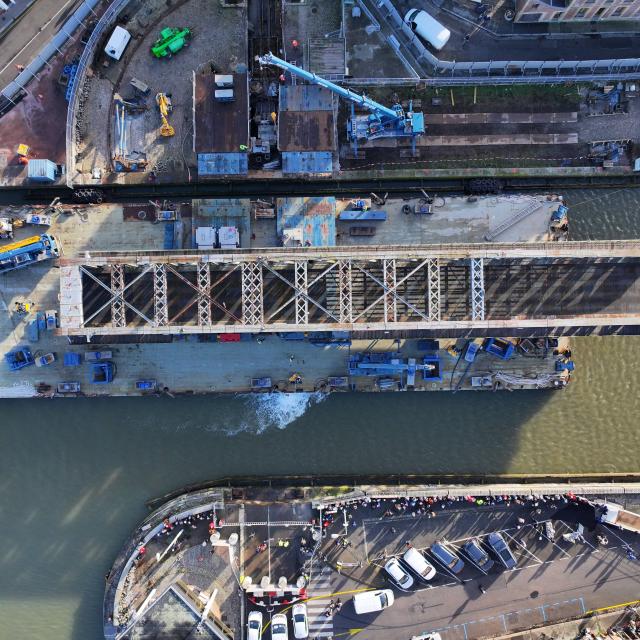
(420, 287)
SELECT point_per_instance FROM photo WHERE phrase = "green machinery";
(170, 41)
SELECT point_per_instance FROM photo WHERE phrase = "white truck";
(617, 516)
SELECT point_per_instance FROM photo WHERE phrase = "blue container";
(353, 216)
(72, 359)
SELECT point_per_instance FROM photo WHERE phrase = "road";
(33, 30)
(553, 580)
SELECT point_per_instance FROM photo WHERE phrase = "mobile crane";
(382, 122)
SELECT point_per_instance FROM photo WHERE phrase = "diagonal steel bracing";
(113, 295)
(118, 315)
(477, 289)
(160, 303)
(252, 290)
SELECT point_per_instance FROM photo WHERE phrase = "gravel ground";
(219, 39)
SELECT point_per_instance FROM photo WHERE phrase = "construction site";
(298, 294)
(286, 89)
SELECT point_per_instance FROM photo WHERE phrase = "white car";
(279, 630)
(300, 621)
(254, 625)
(372, 601)
(398, 574)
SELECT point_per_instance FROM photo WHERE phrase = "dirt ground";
(219, 41)
(39, 121)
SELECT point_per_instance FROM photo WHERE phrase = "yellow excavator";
(164, 105)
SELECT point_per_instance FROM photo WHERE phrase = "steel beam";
(302, 302)
(389, 277)
(252, 292)
(118, 315)
(433, 277)
(160, 304)
(477, 289)
(204, 301)
(345, 309)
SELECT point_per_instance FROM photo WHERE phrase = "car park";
(372, 601)
(300, 621)
(447, 557)
(398, 574)
(279, 629)
(502, 550)
(254, 625)
(417, 563)
(477, 554)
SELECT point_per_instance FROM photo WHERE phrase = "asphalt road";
(34, 29)
(554, 580)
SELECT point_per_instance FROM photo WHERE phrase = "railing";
(49, 50)
(502, 71)
(107, 19)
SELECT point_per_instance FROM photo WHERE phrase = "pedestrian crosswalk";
(320, 625)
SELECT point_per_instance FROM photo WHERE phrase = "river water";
(75, 474)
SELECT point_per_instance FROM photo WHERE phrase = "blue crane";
(382, 122)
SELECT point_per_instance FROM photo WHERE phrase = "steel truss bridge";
(492, 286)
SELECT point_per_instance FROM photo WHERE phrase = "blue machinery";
(385, 364)
(26, 252)
(382, 122)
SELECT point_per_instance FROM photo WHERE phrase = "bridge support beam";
(433, 276)
(160, 305)
(390, 300)
(302, 302)
(204, 293)
(477, 289)
(118, 316)
(252, 306)
(345, 312)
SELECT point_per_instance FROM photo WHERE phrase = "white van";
(428, 28)
(117, 43)
(418, 564)
(372, 601)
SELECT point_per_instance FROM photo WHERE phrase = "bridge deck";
(355, 288)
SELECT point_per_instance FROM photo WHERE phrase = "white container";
(206, 237)
(117, 43)
(229, 237)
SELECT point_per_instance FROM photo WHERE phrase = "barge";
(103, 345)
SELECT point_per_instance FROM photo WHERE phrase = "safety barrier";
(49, 51)
(498, 72)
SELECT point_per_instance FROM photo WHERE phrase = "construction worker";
(243, 147)
(274, 117)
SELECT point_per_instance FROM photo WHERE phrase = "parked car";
(46, 359)
(300, 621)
(447, 557)
(419, 564)
(398, 574)
(372, 601)
(502, 550)
(428, 28)
(254, 625)
(279, 629)
(477, 554)
(427, 636)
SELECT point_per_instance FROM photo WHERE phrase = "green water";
(75, 474)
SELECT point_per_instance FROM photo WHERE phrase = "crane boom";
(347, 94)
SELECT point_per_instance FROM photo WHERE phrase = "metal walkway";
(476, 286)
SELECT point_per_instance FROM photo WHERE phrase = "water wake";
(274, 410)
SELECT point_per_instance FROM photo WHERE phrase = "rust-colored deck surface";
(221, 126)
(306, 131)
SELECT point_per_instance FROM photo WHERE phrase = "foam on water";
(274, 410)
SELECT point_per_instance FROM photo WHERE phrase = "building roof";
(220, 164)
(306, 119)
(221, 126)
(307, 221)
(307, 162)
